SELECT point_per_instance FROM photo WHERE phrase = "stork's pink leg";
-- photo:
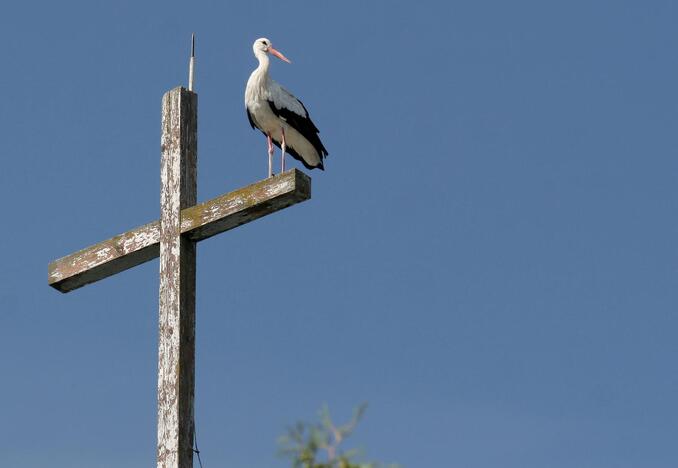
(270, 155)
(283, 146)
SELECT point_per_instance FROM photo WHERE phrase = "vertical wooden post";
(176, 354)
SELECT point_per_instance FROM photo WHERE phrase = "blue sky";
(489, 259)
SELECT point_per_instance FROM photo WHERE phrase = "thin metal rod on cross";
(173, 238)
(191, 64)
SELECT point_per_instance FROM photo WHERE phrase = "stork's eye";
(265, 43)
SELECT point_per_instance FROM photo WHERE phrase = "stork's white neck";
(259, 77)
(264, 62)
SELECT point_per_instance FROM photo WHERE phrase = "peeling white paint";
(177, 304)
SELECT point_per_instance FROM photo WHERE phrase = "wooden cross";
(182, 224)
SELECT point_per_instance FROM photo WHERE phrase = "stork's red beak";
(278, 54)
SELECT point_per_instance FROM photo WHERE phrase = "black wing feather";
(303, 125)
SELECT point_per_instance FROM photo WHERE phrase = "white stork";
(279, 115)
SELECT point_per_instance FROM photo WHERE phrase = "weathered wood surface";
(176, 347)
(141, 244)
(173, 238)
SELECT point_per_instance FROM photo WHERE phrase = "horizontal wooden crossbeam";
(199, 222)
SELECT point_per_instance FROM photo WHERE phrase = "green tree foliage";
(319, 445)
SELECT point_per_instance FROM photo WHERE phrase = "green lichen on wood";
(198, 222)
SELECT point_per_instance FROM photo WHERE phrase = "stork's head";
(263, 45)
